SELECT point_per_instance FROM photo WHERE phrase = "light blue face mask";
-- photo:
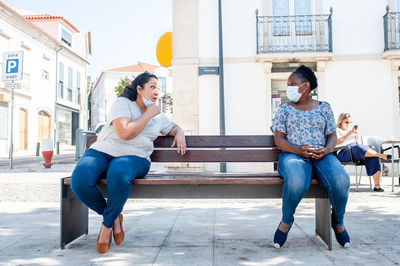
(146, 102)
(292, 92)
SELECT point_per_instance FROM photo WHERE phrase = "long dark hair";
(130, 90)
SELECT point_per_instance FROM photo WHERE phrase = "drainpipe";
(55, 104)
(221, 83)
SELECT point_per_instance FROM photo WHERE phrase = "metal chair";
(374, 142)
(357, 163)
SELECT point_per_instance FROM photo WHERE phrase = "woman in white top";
(122, 153)
(349, 137)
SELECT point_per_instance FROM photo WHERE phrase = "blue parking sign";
(12, 66)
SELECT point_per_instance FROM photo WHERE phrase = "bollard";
(78, 134)
(47, 152)
(58, 147)
(37, 148)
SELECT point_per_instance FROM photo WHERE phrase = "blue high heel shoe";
(280, 237)
(343, 237)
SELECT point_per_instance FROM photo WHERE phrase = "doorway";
(44, 126)
(23, 129)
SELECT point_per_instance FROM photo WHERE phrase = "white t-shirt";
(142, 146)
(350, 139)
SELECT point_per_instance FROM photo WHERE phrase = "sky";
(123, 32)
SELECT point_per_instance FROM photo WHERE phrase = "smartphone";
(355, 127)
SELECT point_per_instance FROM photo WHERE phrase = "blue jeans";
(297, 173)
(119, 173)
(372, 164)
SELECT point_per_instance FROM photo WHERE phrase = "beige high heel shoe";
(119, 237)
(103, 247)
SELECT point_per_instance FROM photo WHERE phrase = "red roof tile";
(49, 17)
(139, 67)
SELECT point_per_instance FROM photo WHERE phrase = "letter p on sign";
(12, 66)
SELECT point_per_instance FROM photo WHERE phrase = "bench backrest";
(254, 148)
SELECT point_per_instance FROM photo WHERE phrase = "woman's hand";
(153, 110)
(351, 132)
(319, 153)
(304, 151)
(179, 139)
(180, 142)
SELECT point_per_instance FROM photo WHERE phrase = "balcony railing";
(78, 96)
(391, 29)
(69, 94)
(300, 33)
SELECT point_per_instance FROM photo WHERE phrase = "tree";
(167, 102)
(121, 85)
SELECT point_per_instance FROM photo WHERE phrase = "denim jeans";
(298, 172)
(119, 173)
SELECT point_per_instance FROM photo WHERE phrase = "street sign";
(12, 70)
(12, 66)
(208, 70)
(12, 85)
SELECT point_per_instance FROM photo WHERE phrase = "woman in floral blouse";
(305, 131)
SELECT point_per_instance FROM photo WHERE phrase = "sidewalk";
(24, 158)
(191, 232)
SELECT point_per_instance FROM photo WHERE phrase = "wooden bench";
(74, 215)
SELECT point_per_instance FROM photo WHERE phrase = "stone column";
(185, 64)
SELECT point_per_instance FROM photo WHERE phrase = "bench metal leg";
(74, 216)
(323, 220)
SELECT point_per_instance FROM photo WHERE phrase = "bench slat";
(203, 181)
(216, 156)
(231, 141)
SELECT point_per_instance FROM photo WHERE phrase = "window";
(69, 88)
(78, 88)
(61, 80)
(45, 74)
(280, 9)
(302, 11)
(66, 37)
(283, 9)
(3, 120)
(162, 84)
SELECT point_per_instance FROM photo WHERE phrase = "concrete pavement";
(191, 232)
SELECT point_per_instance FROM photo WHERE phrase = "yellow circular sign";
(164, 49)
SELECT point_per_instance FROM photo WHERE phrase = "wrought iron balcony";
(391, 30)
(300, 33)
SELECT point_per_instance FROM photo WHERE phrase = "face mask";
(146, 102)
(292, 92)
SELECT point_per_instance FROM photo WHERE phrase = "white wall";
(51, 27)
(357, 26)
(239, 28)
(363, 88)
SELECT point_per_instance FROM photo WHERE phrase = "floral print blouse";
(305, 127)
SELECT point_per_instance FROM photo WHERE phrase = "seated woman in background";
(349, 137)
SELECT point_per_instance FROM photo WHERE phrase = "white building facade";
(342, 41)
(103, 93)
(35, 102)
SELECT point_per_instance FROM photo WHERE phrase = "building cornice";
(294, 57)
(24, 26)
